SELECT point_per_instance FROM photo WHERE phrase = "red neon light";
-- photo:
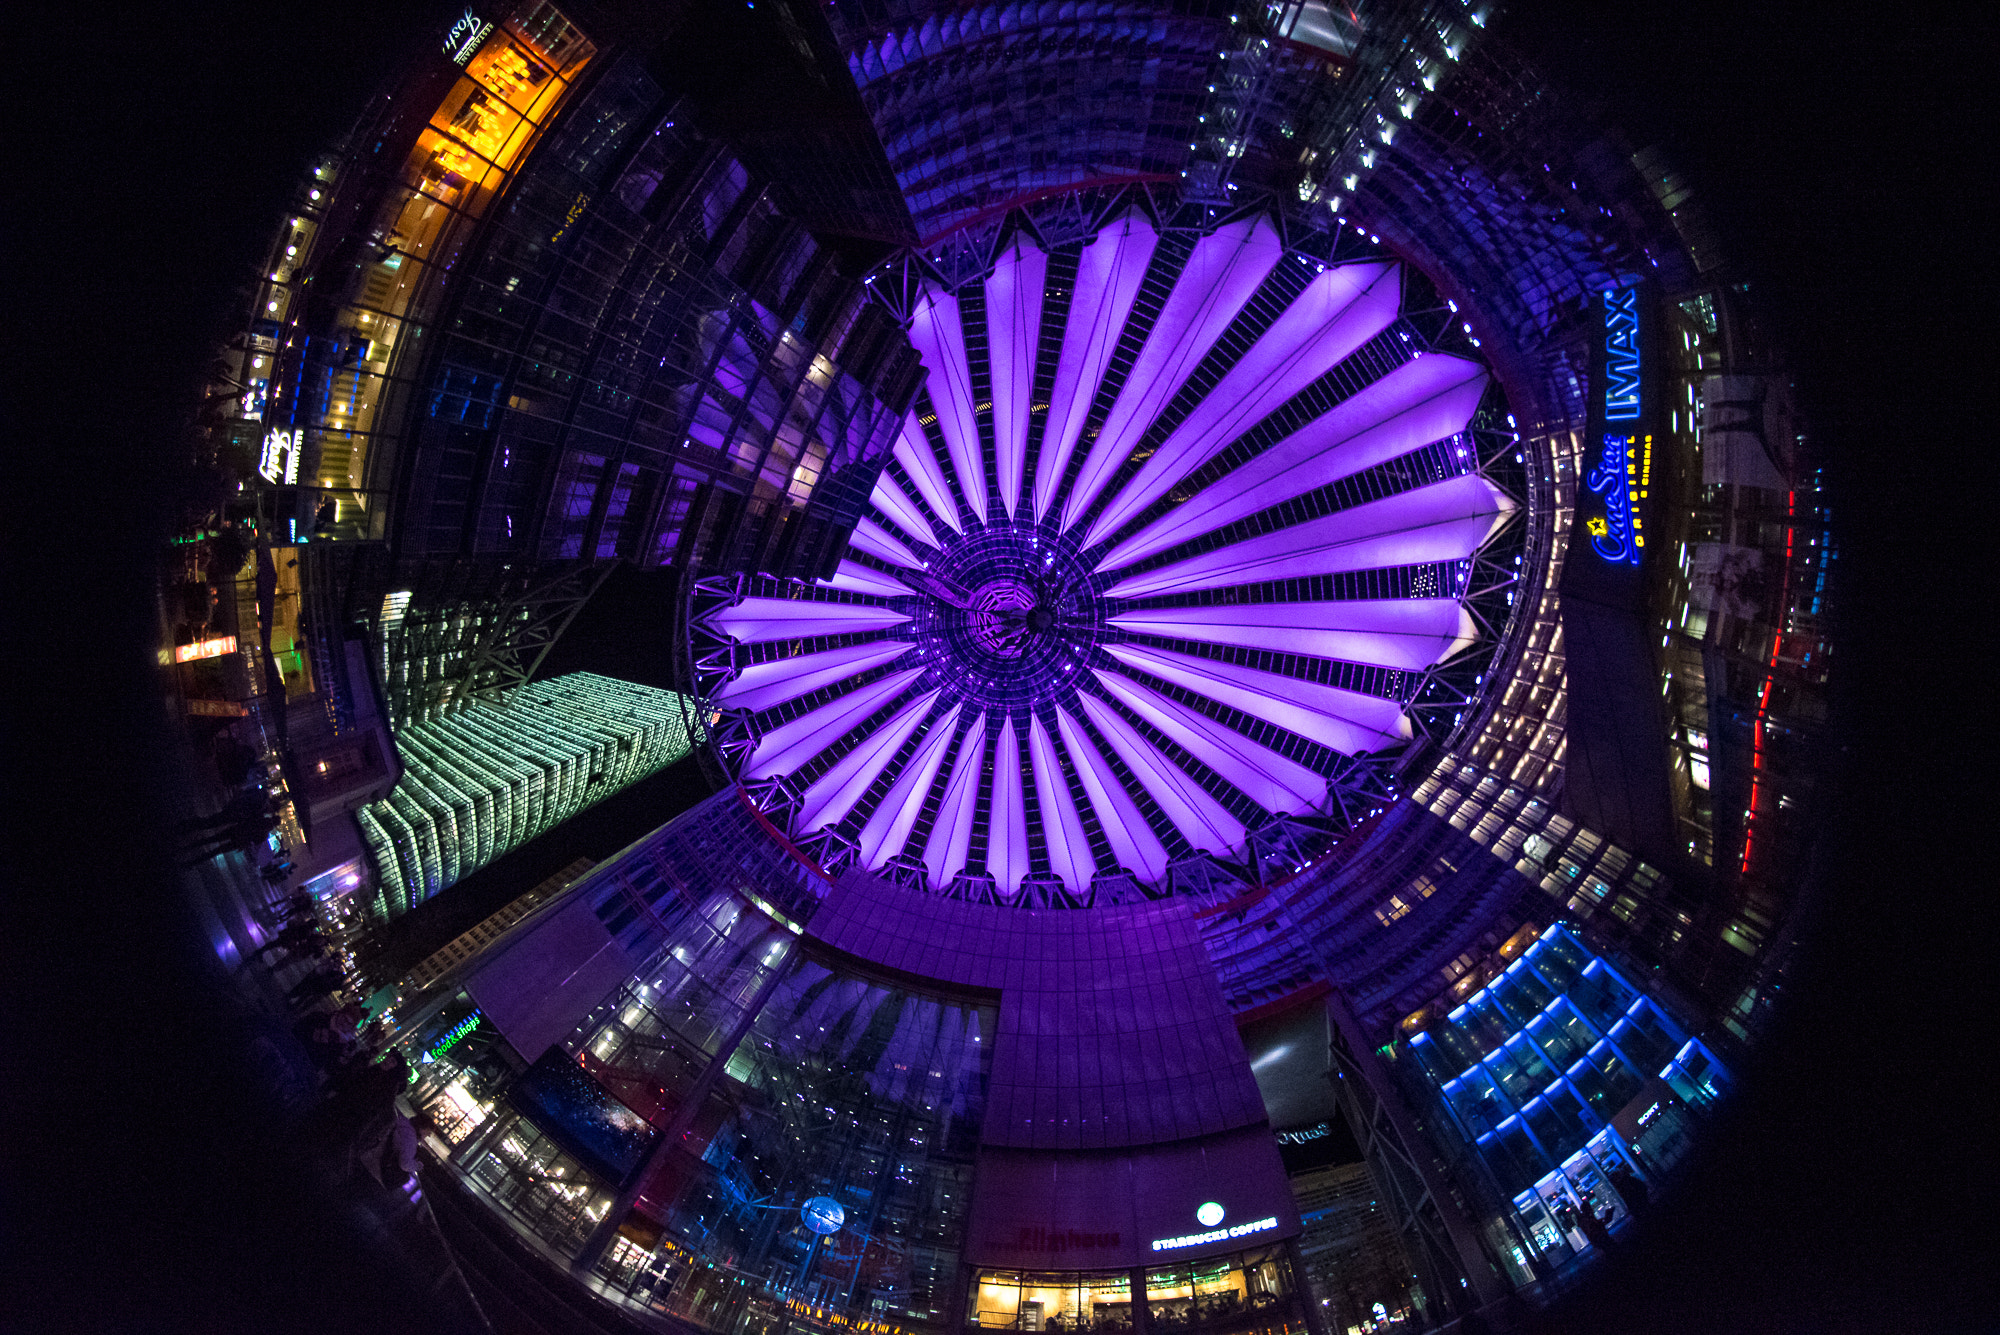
(798, 853)
(213, 648)
(1770, 669)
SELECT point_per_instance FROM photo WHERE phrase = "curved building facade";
(1250, 580)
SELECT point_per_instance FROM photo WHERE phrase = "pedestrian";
(399, 1163)
(1594, 1227)
(298, 906)
(299, 939)
(1631, 1187)
(321, 982)
(241, 835)
(243, 806)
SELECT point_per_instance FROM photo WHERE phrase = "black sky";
(1841, 148)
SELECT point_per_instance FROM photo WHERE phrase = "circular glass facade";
(1123, 540)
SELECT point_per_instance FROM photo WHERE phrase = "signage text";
(1034, 1237)
(280, 460)
(1621, 354)
(465, 37)
(453, 1035)
(1215, 1235)
(215, 648)
(1623, 477)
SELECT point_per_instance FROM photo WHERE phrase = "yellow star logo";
(1598, 528)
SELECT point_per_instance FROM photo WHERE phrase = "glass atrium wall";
(786, 1078)
(1246, 1291)
(333, 374)
(848, 1090)
(639, 322)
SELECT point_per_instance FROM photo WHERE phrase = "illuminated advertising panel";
(567, 1104)
(212, 648)
(1615, 491)
(466, 36)
(279, 461)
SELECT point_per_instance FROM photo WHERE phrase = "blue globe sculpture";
(822, 1214)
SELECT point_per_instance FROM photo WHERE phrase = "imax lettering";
(1621, 354)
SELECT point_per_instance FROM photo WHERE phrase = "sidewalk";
(238, 913)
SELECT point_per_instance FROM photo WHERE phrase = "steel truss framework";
(1431, 1221)
(483, 654)
(1437, 701)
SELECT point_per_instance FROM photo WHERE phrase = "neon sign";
(1623, 476)
(280, 459)
(1216, 1234)
(1621, 354)
(465, 37)
(215, 648)
(452, 1036)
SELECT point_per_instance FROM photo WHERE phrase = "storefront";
(1245, 1291)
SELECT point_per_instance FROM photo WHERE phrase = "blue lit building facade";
(1142, 577)
(1571, 1085)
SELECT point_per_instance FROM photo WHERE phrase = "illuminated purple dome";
(1167, 552)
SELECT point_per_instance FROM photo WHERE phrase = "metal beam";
(1441, 1239)
(508, 653)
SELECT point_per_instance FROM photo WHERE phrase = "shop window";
(1601, 996)
(722, 197)
(1052, 1301)
(1479, 1107)
(1221, 1293)
(623, 514)
(1644, 1038)
(1518, 1006)
(570, 506)
(1513, 1156)
(1557, 1043)
(547, 1192)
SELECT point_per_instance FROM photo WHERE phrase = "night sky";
(150, 151)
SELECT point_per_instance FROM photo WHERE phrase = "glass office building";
(1574, 1088)
(492, 775)
(1193, 513)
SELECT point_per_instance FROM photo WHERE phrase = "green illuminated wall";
(487, 778)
